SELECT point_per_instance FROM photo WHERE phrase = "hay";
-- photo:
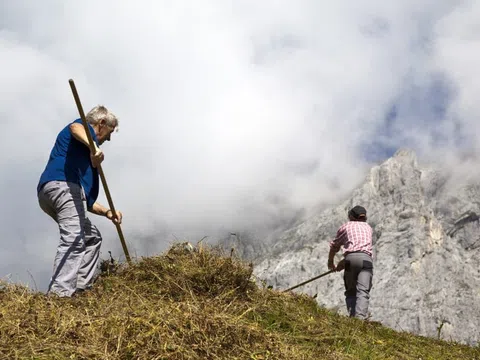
(186, 304)
(189, 303)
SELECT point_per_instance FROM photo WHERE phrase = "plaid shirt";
(354, 236)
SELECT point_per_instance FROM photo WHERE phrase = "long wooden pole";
(99, 167)
(306, 282)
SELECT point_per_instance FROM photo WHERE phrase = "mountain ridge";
(426, 246)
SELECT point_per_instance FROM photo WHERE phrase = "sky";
(232, 114)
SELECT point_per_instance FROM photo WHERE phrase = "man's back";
(70, 161)
(354, 236)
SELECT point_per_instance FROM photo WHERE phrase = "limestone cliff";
(426, 250)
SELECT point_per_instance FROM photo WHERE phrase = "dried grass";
(189, 303)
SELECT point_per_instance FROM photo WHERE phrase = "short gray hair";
(100, 112)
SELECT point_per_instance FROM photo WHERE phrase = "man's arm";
(331, 256)
(335, 247)
(78, 132)
(99, 209)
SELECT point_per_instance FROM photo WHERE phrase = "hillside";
(426, 248)
(195, 303)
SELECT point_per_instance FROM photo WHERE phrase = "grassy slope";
(196, 304)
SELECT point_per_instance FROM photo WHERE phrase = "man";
(67, 189)
(356, 238)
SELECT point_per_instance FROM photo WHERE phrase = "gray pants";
(358, 283)
(78, 251)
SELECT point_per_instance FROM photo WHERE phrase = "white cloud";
(222, 105)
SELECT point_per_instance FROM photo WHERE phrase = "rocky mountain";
(426, 250)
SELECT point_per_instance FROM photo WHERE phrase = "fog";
(233, 115)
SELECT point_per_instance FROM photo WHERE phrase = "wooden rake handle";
(307, 281)
(99, 167)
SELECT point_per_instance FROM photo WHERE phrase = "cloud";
(232, 114)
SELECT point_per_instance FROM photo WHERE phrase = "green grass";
(195, 304)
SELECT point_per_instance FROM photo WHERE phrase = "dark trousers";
(358, 276)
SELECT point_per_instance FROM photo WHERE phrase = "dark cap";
(357, 211)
